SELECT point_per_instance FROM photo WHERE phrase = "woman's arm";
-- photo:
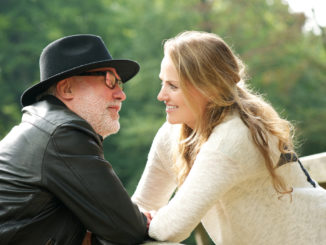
(213, 174)
(157, 183)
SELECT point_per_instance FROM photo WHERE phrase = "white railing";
(160, 243)
(316, 166)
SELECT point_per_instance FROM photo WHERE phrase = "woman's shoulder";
(231, 128)
(233, 138)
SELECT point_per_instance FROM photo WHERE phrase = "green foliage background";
(284, 63)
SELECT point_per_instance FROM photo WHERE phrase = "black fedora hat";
(71, 55)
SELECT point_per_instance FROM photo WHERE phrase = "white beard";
(95, 111)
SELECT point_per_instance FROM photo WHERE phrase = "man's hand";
(87, 239)
(149, 218)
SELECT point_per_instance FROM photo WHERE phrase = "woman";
(229, 155)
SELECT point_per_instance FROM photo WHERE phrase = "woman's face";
(177, 110)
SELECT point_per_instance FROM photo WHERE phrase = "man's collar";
(52, 99)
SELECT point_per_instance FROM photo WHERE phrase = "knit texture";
(230, 191)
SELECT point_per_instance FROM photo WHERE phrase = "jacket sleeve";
(75, 170)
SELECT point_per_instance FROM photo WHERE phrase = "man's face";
(98, 104)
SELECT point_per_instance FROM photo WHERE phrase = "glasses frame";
(109, 83)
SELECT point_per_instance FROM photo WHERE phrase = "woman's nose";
(161, 95)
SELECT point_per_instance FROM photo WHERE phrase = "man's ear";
(64, 89)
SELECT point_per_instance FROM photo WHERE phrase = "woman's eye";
(172, 86)
(169, 85)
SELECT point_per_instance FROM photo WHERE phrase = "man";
(54, 181)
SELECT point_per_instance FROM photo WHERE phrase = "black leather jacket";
(55, 183)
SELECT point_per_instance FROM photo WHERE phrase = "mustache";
(114, 103)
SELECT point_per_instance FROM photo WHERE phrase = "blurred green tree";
(284, 63)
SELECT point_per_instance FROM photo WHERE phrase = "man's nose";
(118, 93)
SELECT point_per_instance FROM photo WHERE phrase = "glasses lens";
(112, 80)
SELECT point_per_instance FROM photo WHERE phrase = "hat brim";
(126, 69)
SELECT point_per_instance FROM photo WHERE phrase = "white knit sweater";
(229, 190)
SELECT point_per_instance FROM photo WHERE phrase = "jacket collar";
(54, 101)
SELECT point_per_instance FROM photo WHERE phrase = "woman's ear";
(64, 89)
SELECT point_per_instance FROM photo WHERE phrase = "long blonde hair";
(204, 61)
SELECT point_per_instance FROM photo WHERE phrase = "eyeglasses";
(110, 78)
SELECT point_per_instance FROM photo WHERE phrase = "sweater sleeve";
(216, 170)
(157, 183)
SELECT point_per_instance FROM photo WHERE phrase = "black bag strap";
(292, 157)
(307, 175)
